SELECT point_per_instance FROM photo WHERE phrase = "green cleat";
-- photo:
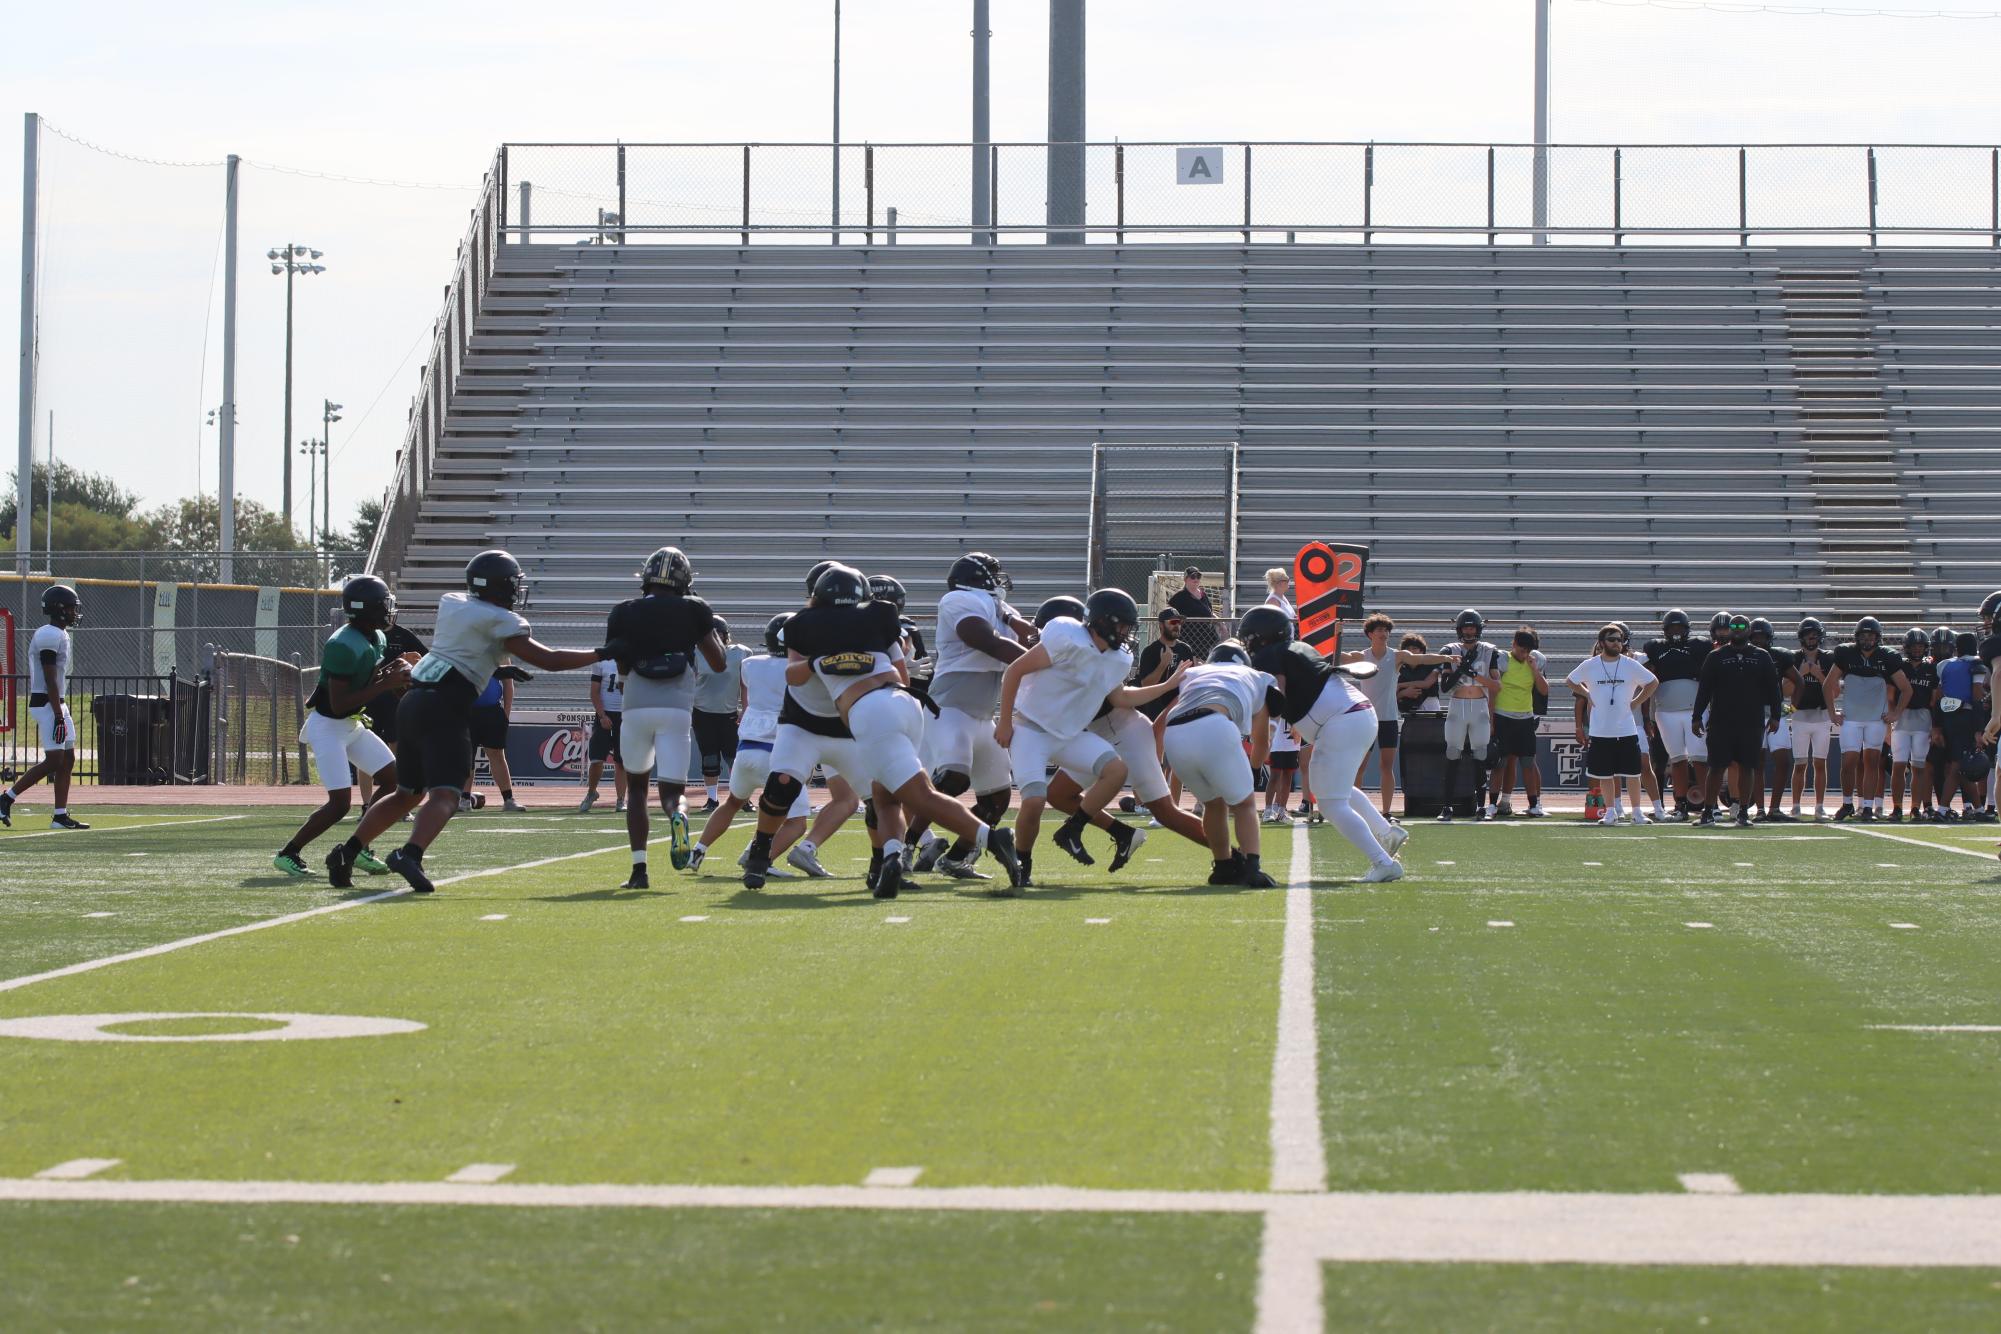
(290, 865)
(678, 846)
(369, 862)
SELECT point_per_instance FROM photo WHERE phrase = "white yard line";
(1987, 856)
(898, 1177)
(1298, 1157)
(481, 1174)
(5, 839)
(77, 1169)
(153, 951)
(1709, 1183)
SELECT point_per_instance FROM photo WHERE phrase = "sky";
(422, 93)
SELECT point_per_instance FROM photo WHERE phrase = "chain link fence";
(1465, 193)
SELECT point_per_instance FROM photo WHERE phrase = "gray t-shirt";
(716, 692)
(471, 639)
(1238, 690)
(976, 694)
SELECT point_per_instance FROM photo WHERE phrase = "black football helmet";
(1059, 606)
(1675, 626)
(368, 602)
(1942, 643)
(774, 634)
(1002, 579)
(1989, 605)
(886, 588)
(974, 570)
(1466, 618)
(1112, 615)
(722, 629)
(1719, 624)
(498, 578)
(1230, 651)
(61, 605)
(669, 570)
(1916, 641)
(1810, 625)
(813, 575)
(840, 586)
(1264, 625)
(1868, 625)
(1762, 632)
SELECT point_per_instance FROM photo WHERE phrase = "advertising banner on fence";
(544, 746)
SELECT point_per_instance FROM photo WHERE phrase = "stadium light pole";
(1540, 202)
(837, 122)
(293, 259)
(310, 450)
(329, 414)
(225, 447)
(1066, 122)
(24, 481)
(982, 128)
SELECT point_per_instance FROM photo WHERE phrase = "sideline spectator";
(489, 733)
(607, 707)
(1383, 690)
(1194, 604)
(1609, 686)
(1737, 706)
(1278, 585)
(1284, 764)
(1158, 661)
(1523, 687)
(1417, 687)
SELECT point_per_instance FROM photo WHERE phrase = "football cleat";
(1228, 872)
(66, 821)
(1000, 842)
(1070, 837)
(1383, 873)
(756, 862)
(7, 809)
(411, 870)
(677, 836)
(584, 806)
(513, 807)
(928, 854)
(889, 879)
(340, 867)
(909, 857)
(1398, 837)
(695, 858)
(959, 869)
(1640, 818)
(805, 860)
(1127, 841)
(1846, 813)
(1255, 876)
(369, 862)
(290, 865)
(1023, 877)
(637, 880)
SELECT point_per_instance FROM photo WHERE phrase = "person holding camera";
(1469, 686)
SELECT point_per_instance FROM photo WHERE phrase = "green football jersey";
(352, 656)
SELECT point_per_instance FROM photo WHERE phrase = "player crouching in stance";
(852, 646)
(353, 674)
(1221, 706)
(1060, 684)
(657, 634)
(1328, 712)
(476, 629)
(49, 651)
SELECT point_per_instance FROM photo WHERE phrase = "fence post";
(1994, 193)
(868, 193)
(1119, 188)
(1368, 192)
(503, 192)
(1872, 195)
(993, 194)
(746, 194)
(1247, 194)
(1618, 195)
(1490, 194)
(889, 215)
(1743, 197)
(621, 194)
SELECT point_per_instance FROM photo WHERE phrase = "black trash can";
(1421, 768)
(134, 739)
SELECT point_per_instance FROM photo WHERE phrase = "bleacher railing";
(451, 340)
(1729, 194)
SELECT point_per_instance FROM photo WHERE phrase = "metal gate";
(1163, 507)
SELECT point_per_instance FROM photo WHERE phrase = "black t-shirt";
(1739, 687)
(1922, 673)
(1408, 676)
(1990, 649)
(1885, 663)
(657, 624)
(1198, 608)
(1300, 671)
(1677, 660)
(382, 709)
(1812, 694)
(1149, 660)
(818, 632)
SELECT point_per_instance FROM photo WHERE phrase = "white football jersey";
(49, 639)
(1062, 698)
(954, 654)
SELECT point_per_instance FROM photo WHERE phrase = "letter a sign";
(1198, 166)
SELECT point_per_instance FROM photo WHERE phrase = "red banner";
(1327, 583)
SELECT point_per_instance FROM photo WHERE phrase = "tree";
(93, 513)
(367, 518)
(193, 525)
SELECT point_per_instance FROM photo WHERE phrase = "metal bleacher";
(1553, 434)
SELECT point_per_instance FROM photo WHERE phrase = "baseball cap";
(1170, 614)
(1192, 572)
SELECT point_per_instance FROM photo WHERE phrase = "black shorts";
(381, 719)
(715, 740)
(1735, 743)
(604, 740)
(1285, 759)
(489, 726)
(1386, 733)
(1515, 736)
(433, 741)
(1613, 757)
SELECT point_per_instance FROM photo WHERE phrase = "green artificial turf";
(1463, 1299)
(320, 1267)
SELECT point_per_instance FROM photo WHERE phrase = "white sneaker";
(584, 806)
(1820, 814)
(1398, 837)
(1640, 818)
(807, 862)
(1198, 810)
(1153, 823)
(1609, 820)
(1495, 810)
(513, 807)
(1536, 812)
(1386, 872)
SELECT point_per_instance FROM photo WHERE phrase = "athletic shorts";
(337, 743)
(715, 737)
(1859, 736)
(1131, 734)
(1678, 737)
(796, 752)
(1288, 760)
(433, 741)
(489, 726)
(1910, 747)
(957, 742)
(1207, 752)
(1034, 752)
(1386, 733)
(1469, 726)
(1812, 734)
(1962, 736)
(1781, 740)
(889, 732)
(1517, 736)
(45, 728)
(658, 733)
(604, 740)
(1612, 757)
(1340, 742)
(1735, 743)
(751, 768)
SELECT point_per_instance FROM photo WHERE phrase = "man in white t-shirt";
(48, 667)
(1048, 697)
(1609, 685)
(607, 706)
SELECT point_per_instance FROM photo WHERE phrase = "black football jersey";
(1812, 694)
(1922, 673)
(1302, 672)
(1676, 662)
(657, 624)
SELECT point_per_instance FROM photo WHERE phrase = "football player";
(1866, 694)
(1737, 705)
(1328, 712)
(1676, 660)
(1470, 686)
(1058, 686)
(353, 674)
(1911, 738)
(762, 695)
(476, 629)
(49, 650)
(1780, 744)
(715, 722)
(979, 634)
(1962, 690)
(1812, 724)
(1990, 661)
(1221, 707)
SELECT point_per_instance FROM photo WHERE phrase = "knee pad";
(990, 807)
(954, 782)
(780, 791)
(868, 812)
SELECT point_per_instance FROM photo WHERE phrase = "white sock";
(712, 792)
(980, 839)
(892, 847)
(807, 846)
(12, 794)
(639, 856)
(1373, 818)
(60, 810)
(1346, 818)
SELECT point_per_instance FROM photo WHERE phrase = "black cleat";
(1846, 813)
(1070, 838)
(1000, 842)
(756, 864)
(7, 809)
(1230, 872)
(637, 880)
(1865, 817)
(412, 871)
(1255, 876)
(1743, 818)
(1025, 877)
(1706, 821)
(340, 867)
(66, 821)
(1127, 840)
(889, 879)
